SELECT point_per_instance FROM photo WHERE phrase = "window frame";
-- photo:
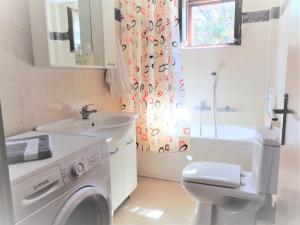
(189, 4)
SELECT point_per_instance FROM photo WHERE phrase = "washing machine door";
(87, 206)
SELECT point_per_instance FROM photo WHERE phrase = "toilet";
(227, 195)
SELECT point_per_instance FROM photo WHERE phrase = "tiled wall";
(244, 70)
(32, 96)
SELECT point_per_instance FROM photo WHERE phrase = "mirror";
(70, 33)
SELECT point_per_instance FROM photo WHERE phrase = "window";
(211, 22)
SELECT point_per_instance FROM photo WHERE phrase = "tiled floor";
(156, 202)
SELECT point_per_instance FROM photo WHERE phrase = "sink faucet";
(85, 112)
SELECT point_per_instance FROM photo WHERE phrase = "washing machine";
(70, 188)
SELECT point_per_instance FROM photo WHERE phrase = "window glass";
(208, 23)
(213, 24)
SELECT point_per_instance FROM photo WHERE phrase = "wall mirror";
(77, 33)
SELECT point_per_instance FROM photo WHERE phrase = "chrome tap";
(85, 112)
(203, 107)
(227, 108)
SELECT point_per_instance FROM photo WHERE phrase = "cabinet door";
(130, 162)
(117, 176)
(73, 33)
(109, 33)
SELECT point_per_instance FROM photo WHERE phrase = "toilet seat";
(246, 190)
(213, 173)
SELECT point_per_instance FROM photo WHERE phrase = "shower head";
(215, 78)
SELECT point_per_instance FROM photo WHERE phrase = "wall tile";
(257, 16)
(244, 72)
(12, 118)
(41, 86)
(7, 54)
(256, 5)
(9, 87)
(45, 113)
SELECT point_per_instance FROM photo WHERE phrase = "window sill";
(209, 46)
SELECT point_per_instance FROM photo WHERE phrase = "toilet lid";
(212, 173)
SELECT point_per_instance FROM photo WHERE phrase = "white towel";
(117, 78)
(32, 150)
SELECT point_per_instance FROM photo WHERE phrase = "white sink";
(110, 125)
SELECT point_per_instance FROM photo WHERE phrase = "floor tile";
(156, 202)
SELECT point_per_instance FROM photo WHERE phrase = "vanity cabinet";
(123, 167)
(73, 33)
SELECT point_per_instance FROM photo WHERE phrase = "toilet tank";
(266, 155)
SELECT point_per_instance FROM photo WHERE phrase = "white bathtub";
(233, 145)
(235, 133)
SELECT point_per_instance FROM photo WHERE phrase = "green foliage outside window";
(213, 24)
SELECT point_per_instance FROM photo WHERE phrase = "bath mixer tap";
(85, 112)
(203, 107)
(227, 108)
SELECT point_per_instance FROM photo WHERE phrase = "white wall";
(244, 72)
(32, 96)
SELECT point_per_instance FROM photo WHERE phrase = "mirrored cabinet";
(73, 33)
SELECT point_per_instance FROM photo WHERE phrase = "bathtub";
(233, 145)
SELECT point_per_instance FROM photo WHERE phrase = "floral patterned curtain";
(150, 40)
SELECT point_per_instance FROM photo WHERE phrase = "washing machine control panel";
(77, 167)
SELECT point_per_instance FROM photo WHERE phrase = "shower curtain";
(150, 40)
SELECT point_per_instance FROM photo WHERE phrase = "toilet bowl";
(227, 195)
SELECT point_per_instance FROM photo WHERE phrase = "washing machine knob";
(77, 169)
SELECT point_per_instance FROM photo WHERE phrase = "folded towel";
(28, 149)
(117, 78)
